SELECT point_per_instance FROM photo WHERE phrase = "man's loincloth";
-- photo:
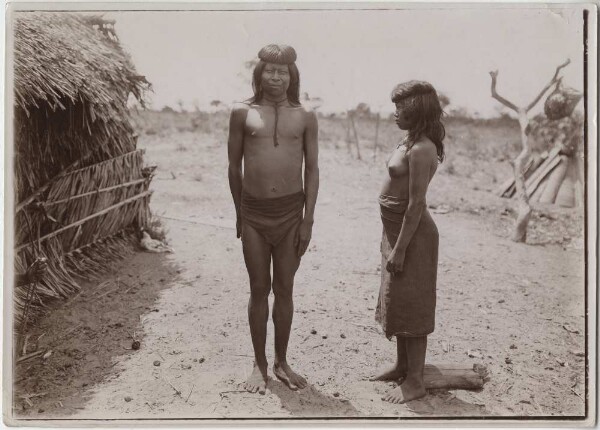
(272, 217)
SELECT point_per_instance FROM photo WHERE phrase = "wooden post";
(348, 114)
(376, 137)
(355, 137)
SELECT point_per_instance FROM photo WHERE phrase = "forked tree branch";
(554, 80)
(497, 96)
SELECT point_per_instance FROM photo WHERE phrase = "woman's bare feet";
(290, 378)
(394, 374)
(405, 392)
(257, 382)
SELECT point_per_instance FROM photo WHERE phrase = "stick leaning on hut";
(78, 176)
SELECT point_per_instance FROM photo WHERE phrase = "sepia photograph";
(277, 213)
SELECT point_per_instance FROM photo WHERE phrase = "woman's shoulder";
(423, 148)
(423, 144)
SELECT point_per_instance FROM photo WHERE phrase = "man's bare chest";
(264, 122)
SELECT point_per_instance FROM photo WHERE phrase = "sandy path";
(509, 302)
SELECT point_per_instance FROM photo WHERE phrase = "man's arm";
(235, 152)
(311, 165)
(420, 159)
(311, 180)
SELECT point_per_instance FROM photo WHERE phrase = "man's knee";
(260, 289)
(282, 290)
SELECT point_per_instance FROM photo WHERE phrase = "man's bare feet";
(290, 378)
(393, 374)
(257, 382)
(405, 392)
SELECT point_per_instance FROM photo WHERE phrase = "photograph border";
(590, 101)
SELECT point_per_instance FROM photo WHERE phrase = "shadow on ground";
(87, 336)
(310, 402)
(443, 403)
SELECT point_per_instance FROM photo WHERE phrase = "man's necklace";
(276, 106)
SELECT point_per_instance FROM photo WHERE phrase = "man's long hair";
(293, 92)
(423, 112)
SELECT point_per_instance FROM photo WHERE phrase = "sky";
(353, 56)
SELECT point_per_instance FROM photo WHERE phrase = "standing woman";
(409, 246)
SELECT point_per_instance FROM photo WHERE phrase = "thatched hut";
(81, 190)
(556, 176)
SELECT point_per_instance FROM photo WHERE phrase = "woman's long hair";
(293, 92)
(423, 112)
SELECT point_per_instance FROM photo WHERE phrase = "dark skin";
(409, 175)
(273, 171)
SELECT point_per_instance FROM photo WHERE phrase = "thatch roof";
(68, 57)
(72, 82)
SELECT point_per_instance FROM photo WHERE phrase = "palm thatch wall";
(79, 181)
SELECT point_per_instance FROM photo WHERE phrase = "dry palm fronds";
(48, 143)
(78, 177)
(97, 191)
(57, 283)
(61, 58)
(125, 169)
(124, 212)
(91, 261)
(72, 83)
(88, 262)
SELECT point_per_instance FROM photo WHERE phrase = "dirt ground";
(517, 309)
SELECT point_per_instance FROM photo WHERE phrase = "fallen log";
(454, 376)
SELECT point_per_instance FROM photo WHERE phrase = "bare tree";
(520, 230)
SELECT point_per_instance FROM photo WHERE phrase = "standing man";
(274, 135)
